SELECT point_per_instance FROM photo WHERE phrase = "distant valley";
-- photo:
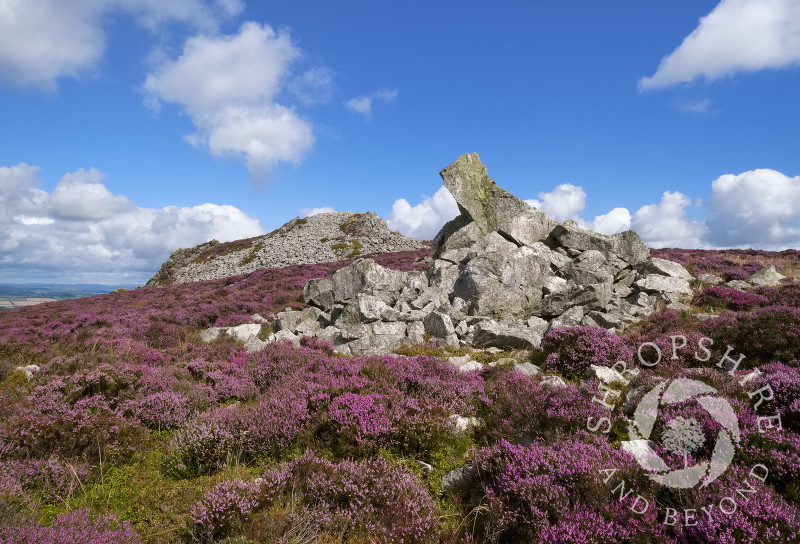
(14, 295)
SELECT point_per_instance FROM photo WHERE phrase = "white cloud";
(425, 219)
(363, 104)
(227, 85)
(82, 195)
(83, 232)
(617, 220)
(562, 203)
(737, 36)
(758, 208)
(314, 86)
(44, 40)
(666, 225)
(308, 212)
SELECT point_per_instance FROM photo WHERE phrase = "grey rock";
(505, 336)
(710, 279)
(490, 207)
(244, 332)
(254, 344)
(537, 324)
(606, 374)
(663, 267)
(458, 233)
(553, 381)
(464, 424)
(439, 325)
(502, 284)
(368, 277)
(416, 331)
(654, 283)
(258, 318)
(607, 320)
(370, 308)
(570, 318)
(529, 369)
(626, 245)
(705, 317)
(319, 292)
(459, 482)
(29, 370)
(210, 334)
(331, 334)
(738, 284)
(287, 336)
(553, 285)
(767, 276)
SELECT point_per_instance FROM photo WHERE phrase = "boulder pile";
(502, 274)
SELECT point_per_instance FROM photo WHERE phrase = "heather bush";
(77, 527)
(369, 500)
(571, 351)
(47, 424)
(721, 297)
(163, 410)
(231, 434)
(764, 518)
(54, 479)
(522, 409)
(765, 335)
(556, 494)
(785, 383)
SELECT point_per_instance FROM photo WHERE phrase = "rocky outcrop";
(503, 274)
(319, 238)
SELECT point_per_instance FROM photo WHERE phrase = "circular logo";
(682, 436)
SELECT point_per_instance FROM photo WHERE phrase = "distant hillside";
(14, 295)
(320, 238)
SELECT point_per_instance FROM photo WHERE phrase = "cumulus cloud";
(666, 224)
(44, 40)
(227, 86)
(737, 36)
(83, 232)
(758, 208)
(425, 219)
(363, 104)
(562, 203)
(308, 212)
(617, 220)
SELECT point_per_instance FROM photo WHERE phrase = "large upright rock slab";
(490, 207)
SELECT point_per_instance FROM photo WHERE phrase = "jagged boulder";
(491, 208)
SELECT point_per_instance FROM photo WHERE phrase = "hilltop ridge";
(320, 238)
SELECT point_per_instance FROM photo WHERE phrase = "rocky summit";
(319, 238)
(502, 275)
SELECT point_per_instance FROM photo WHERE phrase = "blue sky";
(133, 127)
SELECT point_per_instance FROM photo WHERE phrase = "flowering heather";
(131, 414)
(571, 351)
(231, 434)
(371, 499)
(54, 479)
(556, 494)
(77, 527)
(730, 264)
(520, 408)
(768, 334)
(721, 297)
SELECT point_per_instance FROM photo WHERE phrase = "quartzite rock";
(767, 276)
(490, 207)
